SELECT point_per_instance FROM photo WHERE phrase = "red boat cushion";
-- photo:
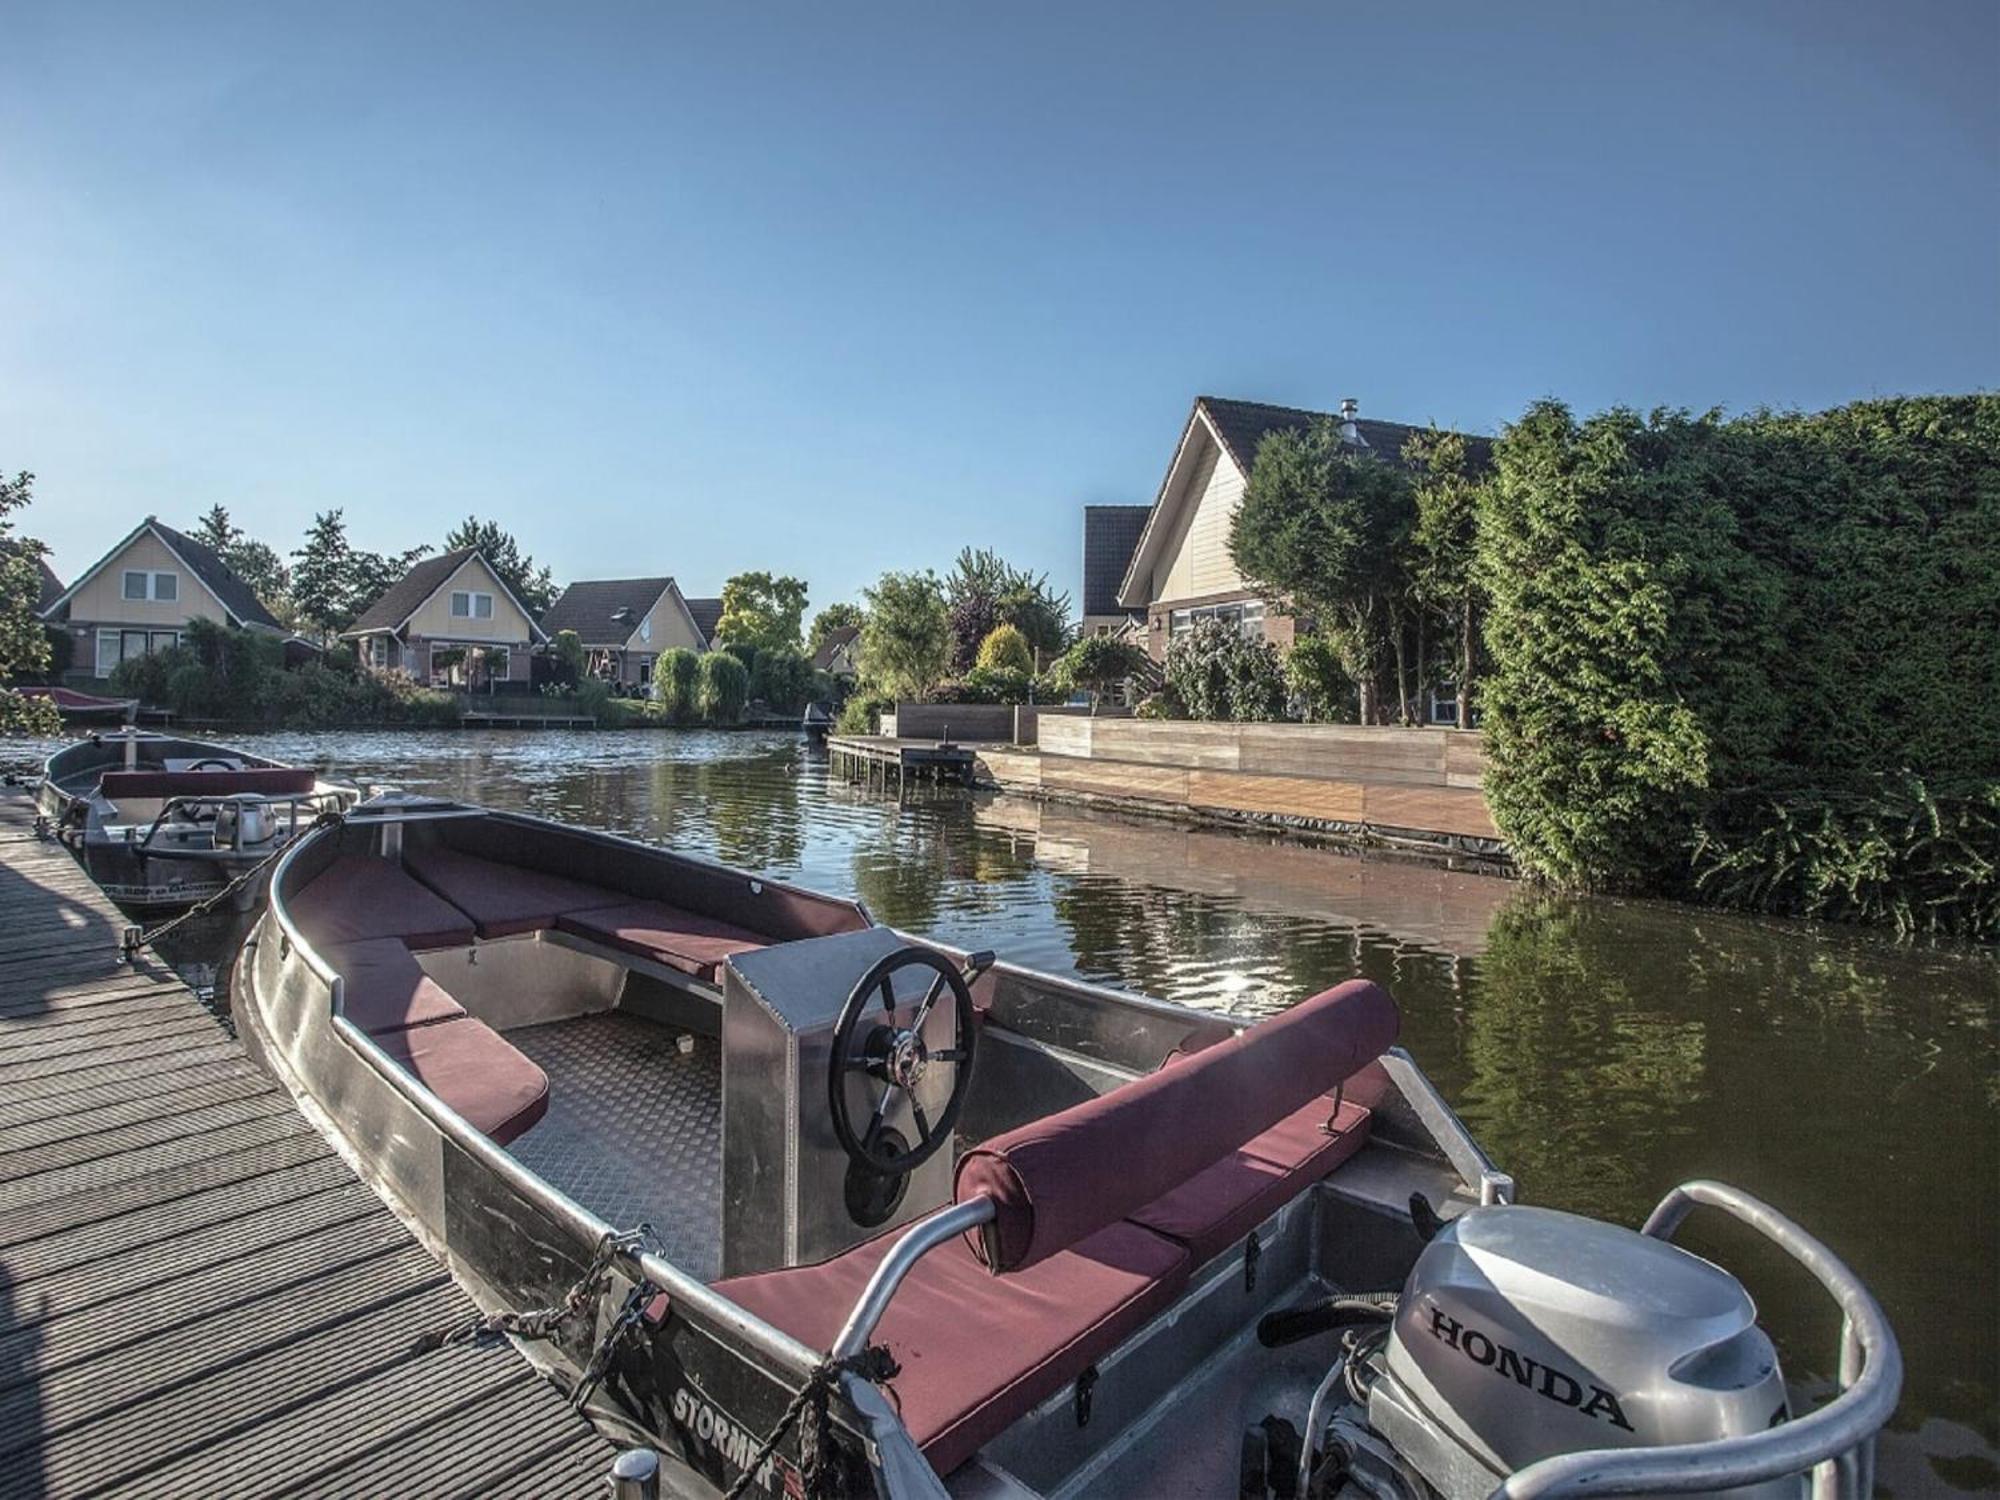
(503, 900)
(359, 897)
(682, 940)
(1056, 1180)
(979, 1352)
(1218, 1206)
(384, 988)
(267, 781)
(475, 1070)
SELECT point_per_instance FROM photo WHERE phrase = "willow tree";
(1326, 527)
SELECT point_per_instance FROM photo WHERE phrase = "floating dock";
(874, 758)
(197, 1296)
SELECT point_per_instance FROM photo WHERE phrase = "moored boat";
(922, 1222)
(163, 822)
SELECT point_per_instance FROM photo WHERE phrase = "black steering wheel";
(897, 1057)
(212, 763)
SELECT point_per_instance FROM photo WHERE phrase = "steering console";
(896, 1056)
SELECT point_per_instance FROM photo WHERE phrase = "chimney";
(1350, 434)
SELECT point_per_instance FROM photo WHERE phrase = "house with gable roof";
(141, 595)
(624, 624)
(1179, 569)
(451, 621)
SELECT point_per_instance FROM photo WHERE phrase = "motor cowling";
(1523, 1333)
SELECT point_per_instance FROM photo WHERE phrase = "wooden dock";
(489, 720)
(875, 759)
(197, 1296)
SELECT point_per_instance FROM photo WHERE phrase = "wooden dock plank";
(197, 1296)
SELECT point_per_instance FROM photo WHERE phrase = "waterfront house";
(140, 596)
(707, 614)
(451, 621)
(840, 653)
(1179, 569)
(624, 625)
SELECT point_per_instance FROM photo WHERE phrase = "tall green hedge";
(1753, 660)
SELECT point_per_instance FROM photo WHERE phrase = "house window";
(378, 651)
(1247, 616)
(466, 605)
(140, 584)
(645, 673)
(114, 646)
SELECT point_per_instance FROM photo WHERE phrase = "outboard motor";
(1523, 1333)
(240, 825)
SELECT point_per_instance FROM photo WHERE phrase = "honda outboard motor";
(1523, 1333)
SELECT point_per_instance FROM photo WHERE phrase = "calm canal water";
(1601, 1050)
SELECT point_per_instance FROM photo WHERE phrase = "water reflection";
(1602, 1050)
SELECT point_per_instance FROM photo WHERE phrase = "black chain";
(873, 1363)
(542, 1323)
(140, 937)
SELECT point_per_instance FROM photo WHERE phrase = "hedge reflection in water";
(1601, 1050)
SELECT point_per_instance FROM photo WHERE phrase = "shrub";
(1005, 649)
(862, 713)
(1719, 649)
(676, 676)
(1318, 680)
(722, 687)
(1220, 673)
(782, 678)
(1096, 664)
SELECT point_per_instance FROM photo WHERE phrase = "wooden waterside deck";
(197, 1296)
(873, 758)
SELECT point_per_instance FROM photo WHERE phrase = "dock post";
(635, 1475)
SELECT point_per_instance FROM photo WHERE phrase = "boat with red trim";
(163, 822)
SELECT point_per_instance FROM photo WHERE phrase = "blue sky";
(830, 289)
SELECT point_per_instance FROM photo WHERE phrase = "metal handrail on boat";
(1837, 1442)
(922, 1237)
(290, 801)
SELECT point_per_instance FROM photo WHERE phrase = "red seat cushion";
(1222, 1203)
(475, 1070)
(359, 897)
(1055, 1180)
(263, 781)
(503, 900)
(682, 940)
(979, 1351)
(383, 988)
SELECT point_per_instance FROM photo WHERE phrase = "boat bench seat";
(503, 900)
(475, 1070)
(1103, 1211)
(264, 781)
(979, 1351)
(684, 941)
(359, 897)
(385, 989)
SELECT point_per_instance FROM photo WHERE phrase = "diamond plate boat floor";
(634, 1129)
(197, 1295)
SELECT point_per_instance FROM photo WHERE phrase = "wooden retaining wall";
(1407, 781)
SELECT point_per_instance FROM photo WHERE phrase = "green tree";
(1444, 548)
(1005, 649)
(906, 643)
(722, 687)
(676, 684)
(1317, 679)
(842, 616)
(762, 611)
(256, 563)
(534, 586)
(370, 575)
(322, 576)
(781, 677)
(1097, 664)
(567, 648)
(1326, 527)
(24, 645)
(983, 591)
